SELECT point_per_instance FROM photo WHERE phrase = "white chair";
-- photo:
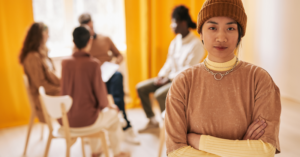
(162, 134)
(32, 116)
(57, 107)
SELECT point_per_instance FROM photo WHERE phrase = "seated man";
(185, 51)
(81, 79)
(101, 47)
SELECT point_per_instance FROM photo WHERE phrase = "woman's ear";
(201, 37)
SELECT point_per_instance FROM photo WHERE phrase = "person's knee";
(114, 117)
(159, 95)
(117, 76)
(140, 87)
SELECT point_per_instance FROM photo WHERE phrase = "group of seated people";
(81, 76)
(220, 107)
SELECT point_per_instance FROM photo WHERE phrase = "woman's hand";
(193, 140)
(255, 130)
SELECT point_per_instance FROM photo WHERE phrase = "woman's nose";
(221, 37)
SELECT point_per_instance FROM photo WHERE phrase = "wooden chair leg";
(68, 150)
(48, 144)
(161, 140)
(104, 144)
(82, 147)
(42, 133)
(29, 131)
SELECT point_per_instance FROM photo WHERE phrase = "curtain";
(148, 36)
(15, 19)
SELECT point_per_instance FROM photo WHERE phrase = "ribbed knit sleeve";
(236, 148)
(189, 151)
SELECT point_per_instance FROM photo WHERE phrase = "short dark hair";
(181, 13)
(84, 18)
(81, 36)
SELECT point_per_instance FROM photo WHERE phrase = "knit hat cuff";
(222, 9)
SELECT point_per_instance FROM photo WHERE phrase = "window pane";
(108, 18)
(61, 16)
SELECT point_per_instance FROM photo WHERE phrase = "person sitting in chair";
(100, 49)
(185, 51)
(81, 79)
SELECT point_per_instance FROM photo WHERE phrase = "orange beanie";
(230, 8)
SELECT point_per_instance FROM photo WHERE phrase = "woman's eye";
(212, 28)
(231, 29)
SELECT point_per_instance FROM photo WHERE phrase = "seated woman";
(224, 106)
(38, 66)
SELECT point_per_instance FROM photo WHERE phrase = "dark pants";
(115, 88)
(160, 93)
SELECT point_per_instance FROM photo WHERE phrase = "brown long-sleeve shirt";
(197, 103)
(81, 79)
(40, 74)
(101, 47)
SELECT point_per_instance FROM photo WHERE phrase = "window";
(61, 16)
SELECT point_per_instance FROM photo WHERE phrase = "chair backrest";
(56, 107)
(26, 83)
(53, 103)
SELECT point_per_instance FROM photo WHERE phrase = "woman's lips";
(220, 48)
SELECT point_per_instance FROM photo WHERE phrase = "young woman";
(224, 106)
(38, 66)
(185, 51)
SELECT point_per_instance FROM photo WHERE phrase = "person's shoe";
(96, 155)
(122, 154)
(149, 126)
(100, 152)
(130, 136)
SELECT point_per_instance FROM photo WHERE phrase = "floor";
(12, 139)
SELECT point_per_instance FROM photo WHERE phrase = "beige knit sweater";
(197, 103)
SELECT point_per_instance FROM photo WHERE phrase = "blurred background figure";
(38, 66)
(185, 51)
(101, 47)
(90, 111)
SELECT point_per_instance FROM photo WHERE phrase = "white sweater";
(183, 53)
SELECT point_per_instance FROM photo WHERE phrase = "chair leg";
(42, 133)
(161, 140)
(68, 150)
(48, 144)
(82, 146)
(29, 131)
(104, 144)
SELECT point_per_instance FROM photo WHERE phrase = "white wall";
(272, 41)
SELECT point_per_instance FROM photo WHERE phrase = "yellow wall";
(15, 18)
(148, 36)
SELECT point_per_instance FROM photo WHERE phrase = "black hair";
(81, 36)
(181, 13)
(240, 31)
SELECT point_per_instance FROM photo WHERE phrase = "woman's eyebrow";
(233, 22)
(213, 22)
(229, 23)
